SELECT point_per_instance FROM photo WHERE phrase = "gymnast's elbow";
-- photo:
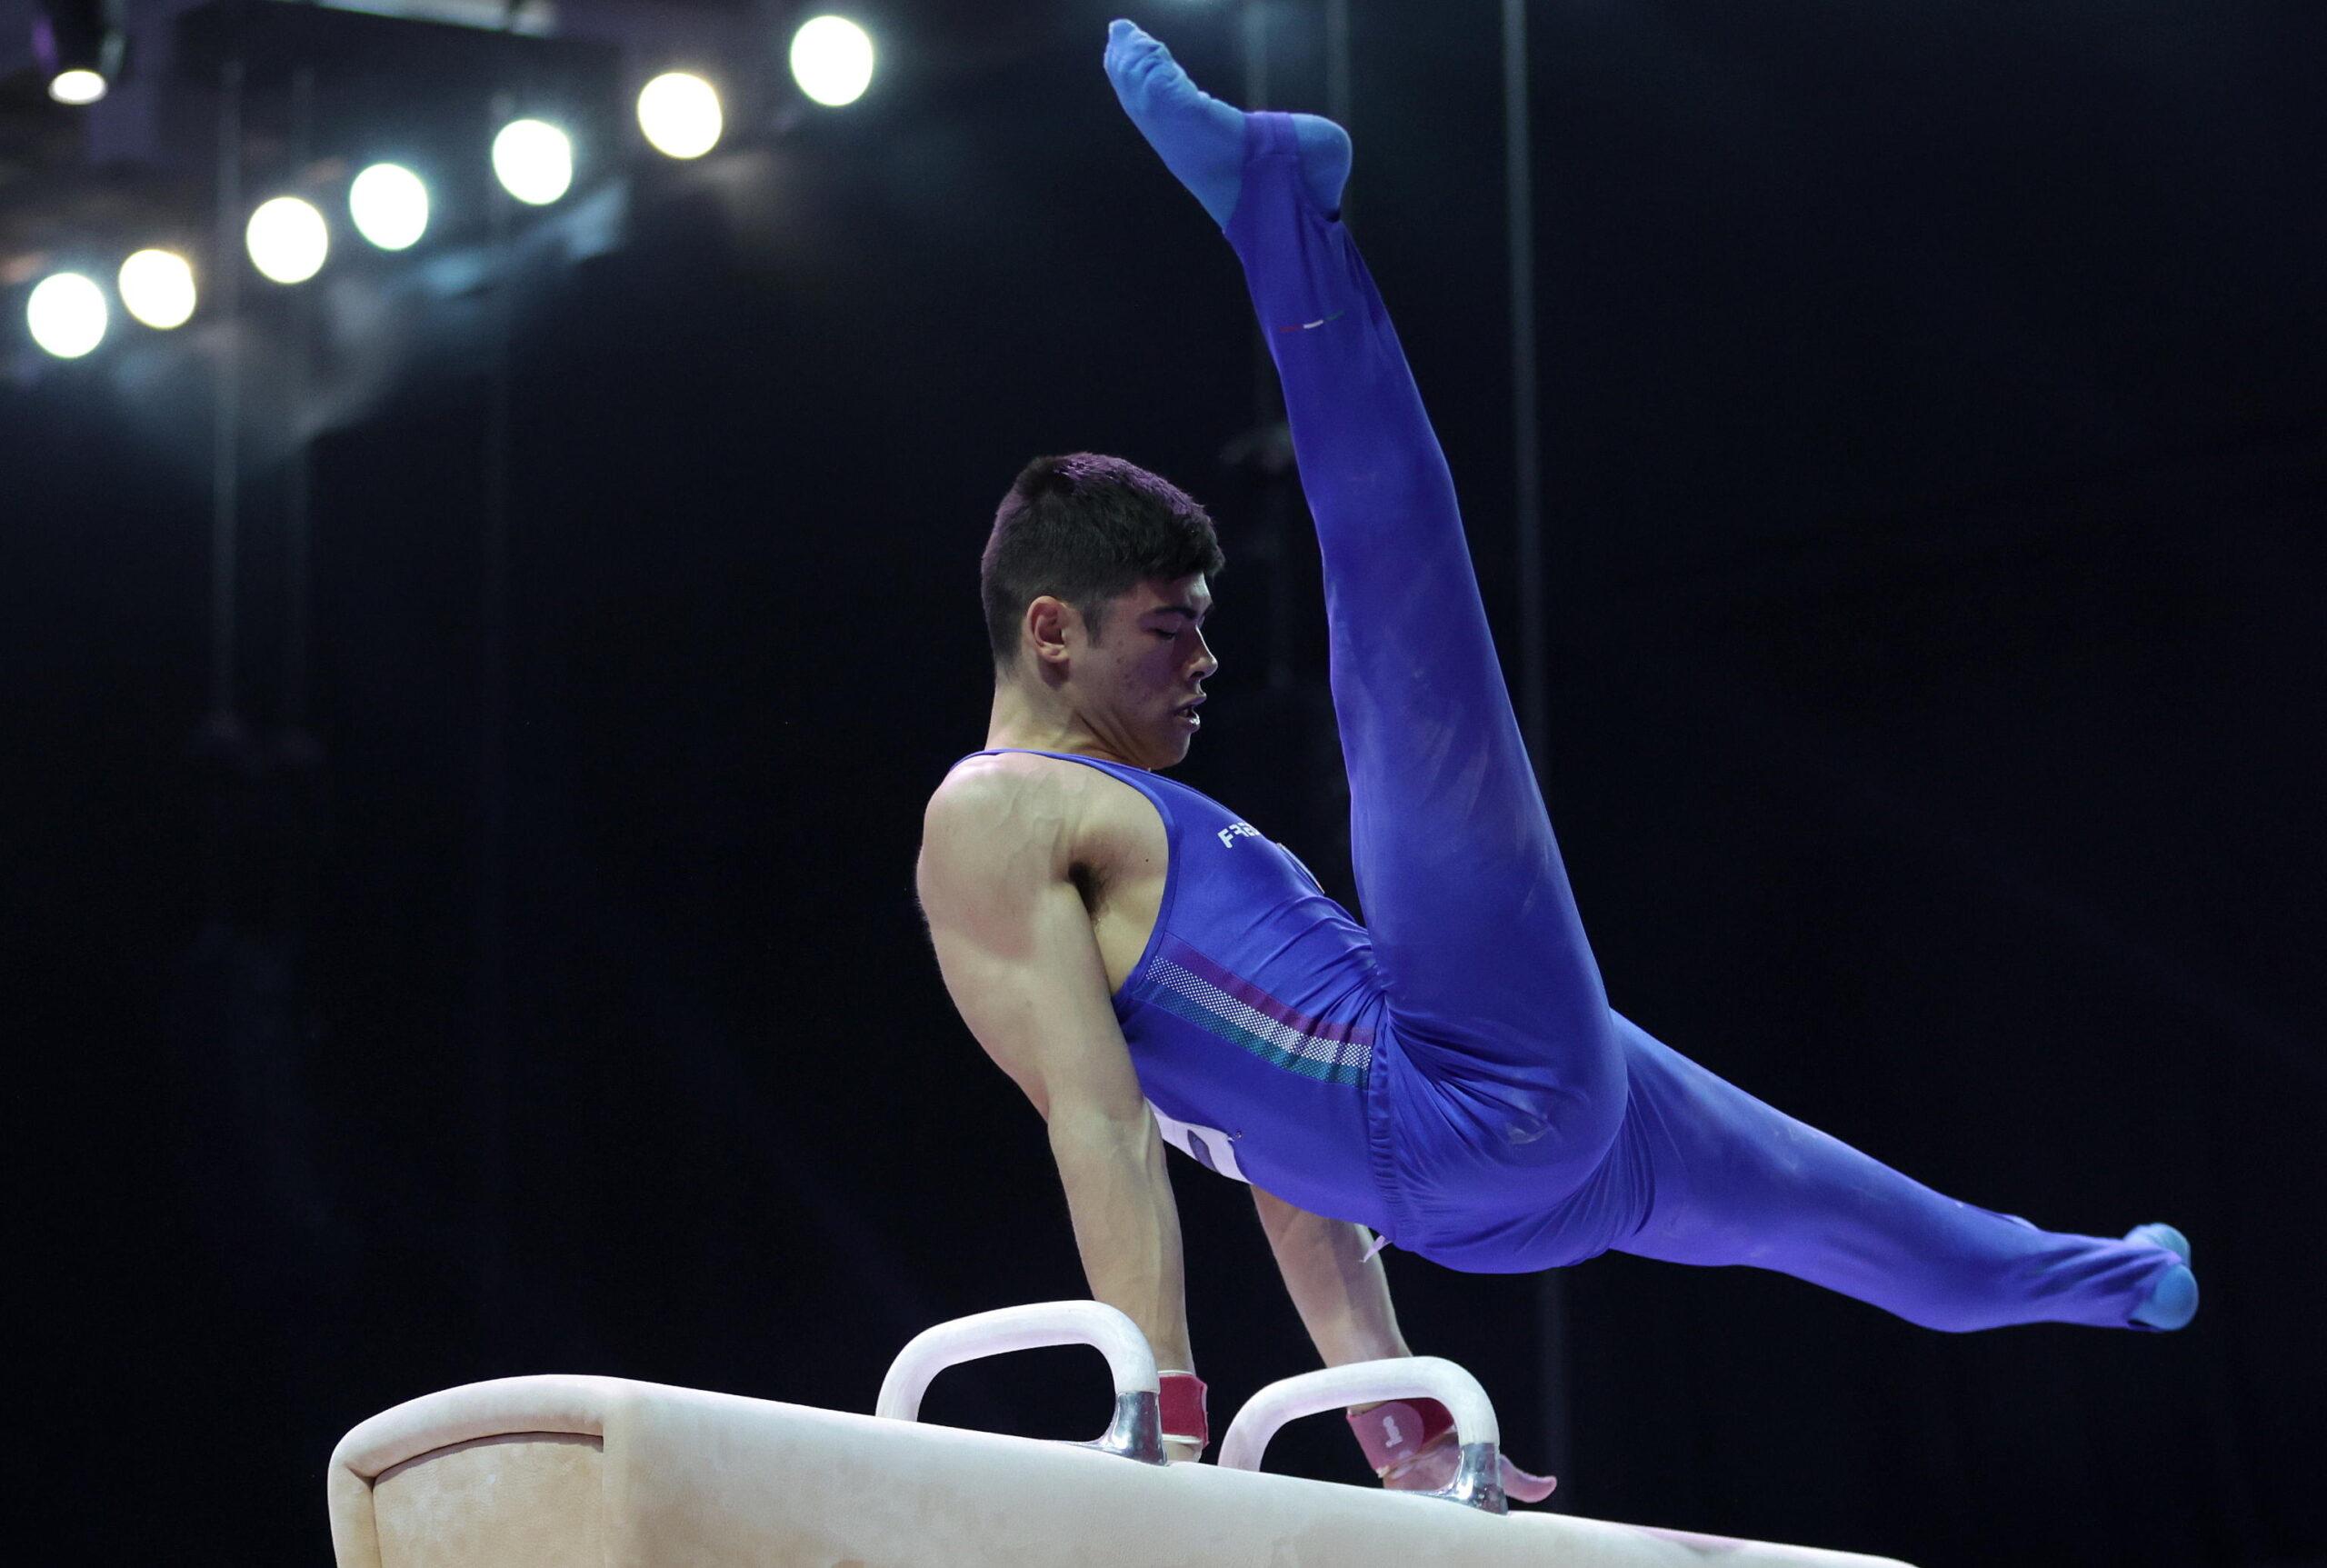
(1091, 1128)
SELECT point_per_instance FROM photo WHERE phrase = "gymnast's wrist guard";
(1180, 1400)
(1394, 1433)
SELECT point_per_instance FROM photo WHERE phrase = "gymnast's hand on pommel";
(1433, 1470)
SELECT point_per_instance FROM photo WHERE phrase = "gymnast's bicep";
(1016, 946)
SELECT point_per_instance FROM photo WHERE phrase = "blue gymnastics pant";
(1527, 1124)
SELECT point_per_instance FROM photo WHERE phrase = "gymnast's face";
(1132, 686)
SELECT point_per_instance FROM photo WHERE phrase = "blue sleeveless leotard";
(1252, 1013)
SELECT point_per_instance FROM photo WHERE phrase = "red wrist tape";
(1181, 1403)
(1394, 1433)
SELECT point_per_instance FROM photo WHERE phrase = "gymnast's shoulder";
(1015, 808)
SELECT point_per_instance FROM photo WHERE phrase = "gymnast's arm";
(1016, 946)
(1342, 1295)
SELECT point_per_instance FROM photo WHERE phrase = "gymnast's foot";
(2174, 1300)
(1202, 139)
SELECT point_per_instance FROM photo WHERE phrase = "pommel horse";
(562, 1472)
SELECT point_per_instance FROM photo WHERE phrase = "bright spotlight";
(67, 315)
(77, 87)
(80, 45)
(390, 206)
(288, 240)
(680, 114)
(157, 288)
(831, 59)
(534, 160)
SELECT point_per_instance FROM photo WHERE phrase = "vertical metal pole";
(1256, 54)
(225, 457)
(1265, 410)
(1274, 542)
(1337, 87)
(493, 788)
(1519, 224)
(296, 504)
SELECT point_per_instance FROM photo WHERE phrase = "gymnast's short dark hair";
(1085, 528)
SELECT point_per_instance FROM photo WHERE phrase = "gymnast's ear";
(1053, 629)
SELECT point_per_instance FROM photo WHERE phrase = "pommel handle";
(1136, 1431)
(1478, 1480)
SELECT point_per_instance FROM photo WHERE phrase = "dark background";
(1936, 455)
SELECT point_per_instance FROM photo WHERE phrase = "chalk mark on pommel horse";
(563, 1472)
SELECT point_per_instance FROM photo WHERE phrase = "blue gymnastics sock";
(2174, 1300)
(1202, 139)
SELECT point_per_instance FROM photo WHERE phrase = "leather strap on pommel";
(1180, 1402)
(1394, 1433)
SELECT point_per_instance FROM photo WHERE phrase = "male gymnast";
(1149, 968)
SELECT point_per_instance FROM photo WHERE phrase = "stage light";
(288, 241)
(157, 288)
(534, 160)
(80, 45)
(680, 114)
(831, 59)
(77, 87)
(390, 206)
(67, 315)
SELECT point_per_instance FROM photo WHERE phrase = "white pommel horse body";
(571, 1472)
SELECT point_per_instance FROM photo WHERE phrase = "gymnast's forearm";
(1126, 1225)
(1342, 1295)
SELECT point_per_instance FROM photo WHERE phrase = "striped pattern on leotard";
(1183, 982)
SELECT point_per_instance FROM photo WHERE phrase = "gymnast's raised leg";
(1548, 1127)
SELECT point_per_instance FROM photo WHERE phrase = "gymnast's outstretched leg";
(1564, 1112)
(1738, 1181)
(1475, 931)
